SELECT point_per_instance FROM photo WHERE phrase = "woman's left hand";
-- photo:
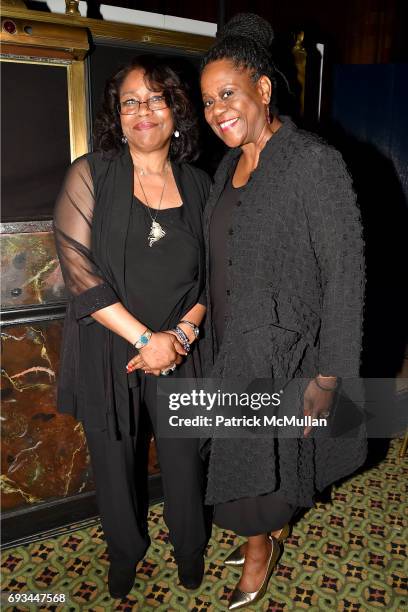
(317, 402)
(137, 363)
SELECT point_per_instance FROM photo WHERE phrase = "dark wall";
(369, 124)
(359, 31)
(34, 139)
(353, 31)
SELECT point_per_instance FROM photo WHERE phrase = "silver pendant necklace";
(156, 230)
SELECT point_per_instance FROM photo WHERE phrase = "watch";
(195, 328)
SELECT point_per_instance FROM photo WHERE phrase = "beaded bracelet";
(183, 338)
(194, 327)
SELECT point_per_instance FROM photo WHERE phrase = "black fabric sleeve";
(203, 298)
(73, 216)
(336, 233)
(204, 185)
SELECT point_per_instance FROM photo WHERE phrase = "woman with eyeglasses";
(128, 228)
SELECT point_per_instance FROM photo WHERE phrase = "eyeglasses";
(131, 106)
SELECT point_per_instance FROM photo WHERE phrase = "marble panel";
(44, 454)
(30, 270)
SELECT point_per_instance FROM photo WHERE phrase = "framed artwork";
(43, 128)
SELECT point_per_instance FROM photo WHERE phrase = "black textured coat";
(295, 287)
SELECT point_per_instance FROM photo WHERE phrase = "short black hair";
(245, 40)
(160, 76)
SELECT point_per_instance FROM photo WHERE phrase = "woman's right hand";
(162, 351)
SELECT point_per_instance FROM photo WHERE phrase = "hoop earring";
(124, 139)
(176, 134)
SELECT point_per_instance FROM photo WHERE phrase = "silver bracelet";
(144, 339)
(194, 327)
(182, 338)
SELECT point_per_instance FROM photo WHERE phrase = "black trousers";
(120, 474)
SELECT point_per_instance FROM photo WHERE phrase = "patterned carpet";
(348, 555)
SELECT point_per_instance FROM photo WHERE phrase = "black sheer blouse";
(92, 221)
(73, 219)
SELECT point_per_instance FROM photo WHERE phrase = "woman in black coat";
(285, 277)
(128, 227)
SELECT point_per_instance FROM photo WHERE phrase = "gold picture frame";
(77, 108)
(59, 47)
(117, 31)
(76, 73)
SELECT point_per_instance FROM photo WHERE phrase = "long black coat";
(295, 287)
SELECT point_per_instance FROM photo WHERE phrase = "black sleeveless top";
(162, 288)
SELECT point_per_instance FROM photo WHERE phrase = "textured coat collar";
(227, 165)
(270, 149)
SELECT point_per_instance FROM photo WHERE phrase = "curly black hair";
(245, 40)
(159, 76)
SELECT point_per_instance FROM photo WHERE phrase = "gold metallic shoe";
(241, 599)
(238, 558)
